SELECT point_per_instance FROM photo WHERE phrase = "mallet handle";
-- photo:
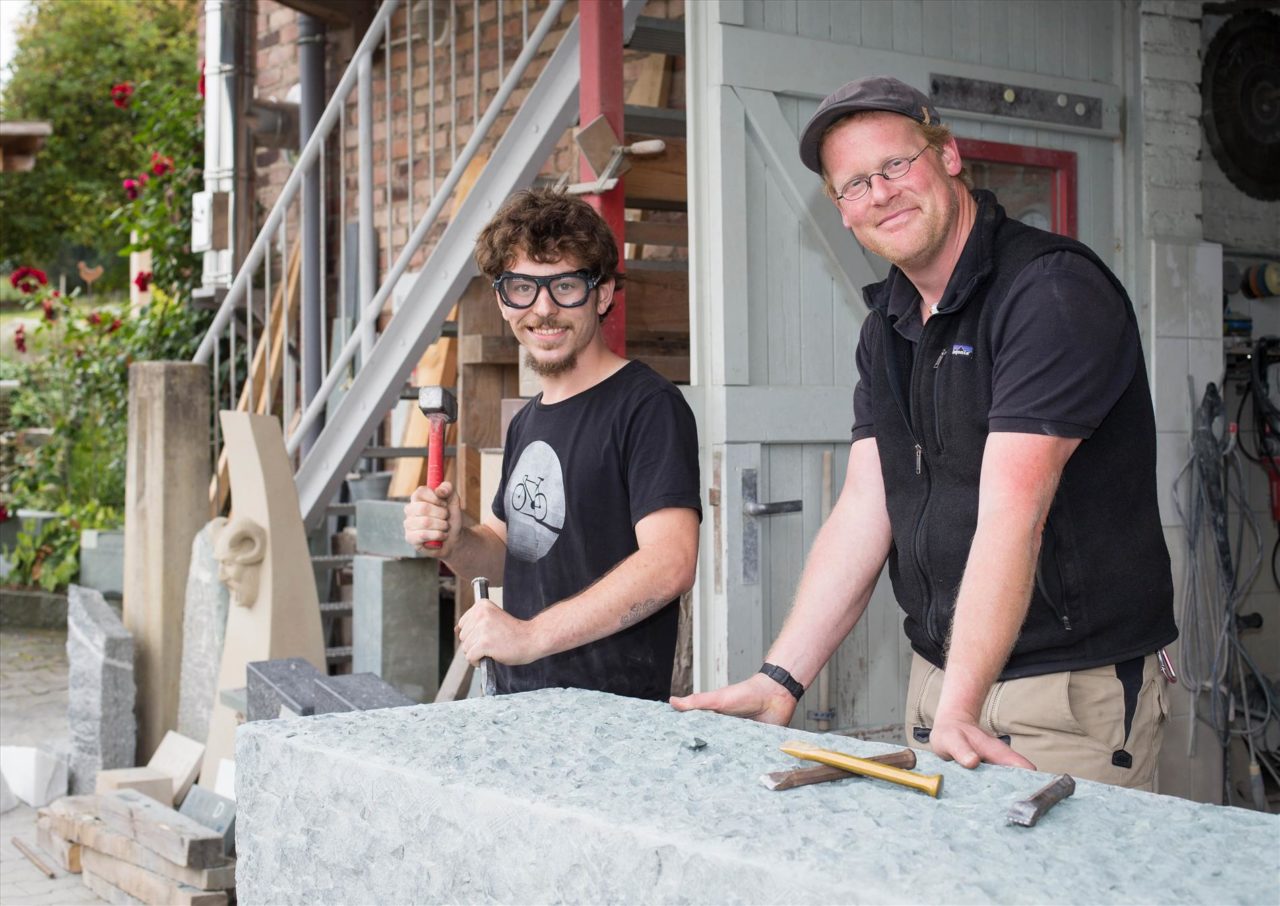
(435, 460)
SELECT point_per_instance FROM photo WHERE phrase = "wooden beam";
(334, 13)
(660, 299)
(655, 232)
(659, 180)
(474, 349)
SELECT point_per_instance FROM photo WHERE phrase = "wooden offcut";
(161, 830)
(148, 886)
(64, 852)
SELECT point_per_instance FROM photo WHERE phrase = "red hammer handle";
(435, 461)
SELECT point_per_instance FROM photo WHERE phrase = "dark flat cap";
(877, 93)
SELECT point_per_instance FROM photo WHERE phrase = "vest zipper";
(930, 614)
(937, 409)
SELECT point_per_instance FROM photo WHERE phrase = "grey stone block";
(102, 561)
(574, 796)
(204, 626)
(356, 692)
(32, 608)
(100, 688)
(288, 682)
(380, 529)
(396, 623)
(213, 811)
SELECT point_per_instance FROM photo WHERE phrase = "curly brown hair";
(547, 225)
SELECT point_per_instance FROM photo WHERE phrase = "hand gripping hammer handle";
(488, 681)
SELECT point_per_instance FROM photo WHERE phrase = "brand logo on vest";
(961, 349)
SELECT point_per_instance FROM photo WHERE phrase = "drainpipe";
(223, 219)
(311, 47)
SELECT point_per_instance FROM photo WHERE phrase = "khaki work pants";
(1063, 723)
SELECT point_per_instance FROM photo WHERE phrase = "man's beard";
(552, 368)
(939, 225)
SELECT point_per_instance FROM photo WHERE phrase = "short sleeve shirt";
(1064, 351)
(577, 476)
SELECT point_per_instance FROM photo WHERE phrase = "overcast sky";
(10, 12)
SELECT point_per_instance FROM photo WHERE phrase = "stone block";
(380, 529)
(100, 688)
(32, 608)
(204, 626)
(235, 699)
(286, 683)
(574, 796)
(102, 561)
(396, 623)
(147, 781)
(225, 782)
(356, 692)
(7, 799)
(214, 812)
(178, 758)
(35, 776)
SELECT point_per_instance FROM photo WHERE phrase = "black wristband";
(783, 678)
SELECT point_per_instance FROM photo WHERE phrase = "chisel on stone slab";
(1027, 812)
(821, 773)
(488, 682)
(925, 783)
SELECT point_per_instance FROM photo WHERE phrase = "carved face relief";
(240, 546)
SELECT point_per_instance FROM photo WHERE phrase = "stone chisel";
(925, 783)
(821, 773)
(488, 682)
(1027, 812)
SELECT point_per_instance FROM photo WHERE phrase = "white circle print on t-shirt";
(535, 502)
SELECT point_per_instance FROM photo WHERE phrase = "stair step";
(335, 608)
(338, 655)
(654, 35)
(655, 232)
(404, 452)
(660, 121)
(332, 561)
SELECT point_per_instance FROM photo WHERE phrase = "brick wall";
(1169, 31)
(277, 73)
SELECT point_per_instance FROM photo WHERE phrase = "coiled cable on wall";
(1216, 667)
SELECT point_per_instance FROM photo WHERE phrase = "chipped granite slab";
(581, 797)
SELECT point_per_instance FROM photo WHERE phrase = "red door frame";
(600, 92)
(1062, 163)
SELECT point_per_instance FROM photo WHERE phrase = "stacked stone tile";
(204, 627)
(100, 689)
(128, 848)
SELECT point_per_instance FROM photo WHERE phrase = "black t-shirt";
(577, 476)
(1065, 351)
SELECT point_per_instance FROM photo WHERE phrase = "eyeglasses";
(567, 290)
(893, 169)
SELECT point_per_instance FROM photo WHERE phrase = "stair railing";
(265, 337)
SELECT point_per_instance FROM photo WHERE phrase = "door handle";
(753, 508)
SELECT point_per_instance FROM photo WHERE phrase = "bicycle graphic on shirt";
(528, 499)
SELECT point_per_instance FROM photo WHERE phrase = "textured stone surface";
(573, 796)
(100, 688)
(356, 692)
(380, 529)
(288, 682)
(35, 776)
(32, 609)
(396, 629)
(204, 626)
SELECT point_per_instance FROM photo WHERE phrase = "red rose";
(200, 84)
(28, 279)
(142, 281)
(115, 325)
(131, 188)
(120, 94)
(20, 338)
(49, 313)
(4, 513)
(94, 318)
(160, 165)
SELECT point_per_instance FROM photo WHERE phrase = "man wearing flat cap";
(1003, 464)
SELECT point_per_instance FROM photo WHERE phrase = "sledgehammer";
(441, 408)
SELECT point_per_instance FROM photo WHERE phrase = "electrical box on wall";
(210, 219)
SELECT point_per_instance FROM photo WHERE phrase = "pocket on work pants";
(923, 691)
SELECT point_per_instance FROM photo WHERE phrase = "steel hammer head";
(438, 402)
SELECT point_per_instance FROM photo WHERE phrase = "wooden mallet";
(440, 407)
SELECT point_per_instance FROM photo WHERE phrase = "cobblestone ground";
(33, 712)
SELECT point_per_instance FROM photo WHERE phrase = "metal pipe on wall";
(311, 45)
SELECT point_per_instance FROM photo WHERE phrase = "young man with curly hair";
(593, 534)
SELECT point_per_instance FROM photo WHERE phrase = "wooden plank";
(474, 349)
(146, 885)
(846, 22)
(813, 19)
(161, 830)
(67, 815)
(877, 24)
(457, 679)
(780, 18)
(99, 837)
(936, 24)
(993, 17)
(652, 88)
(1049, 34)
(468, 460)
(658, 180)
(908, 22)
(106, 891)
(658, 300)
(654, 232)
(63, 851)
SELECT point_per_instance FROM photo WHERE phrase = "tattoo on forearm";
(639, 611)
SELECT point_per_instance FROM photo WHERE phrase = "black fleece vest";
(1104, 591)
